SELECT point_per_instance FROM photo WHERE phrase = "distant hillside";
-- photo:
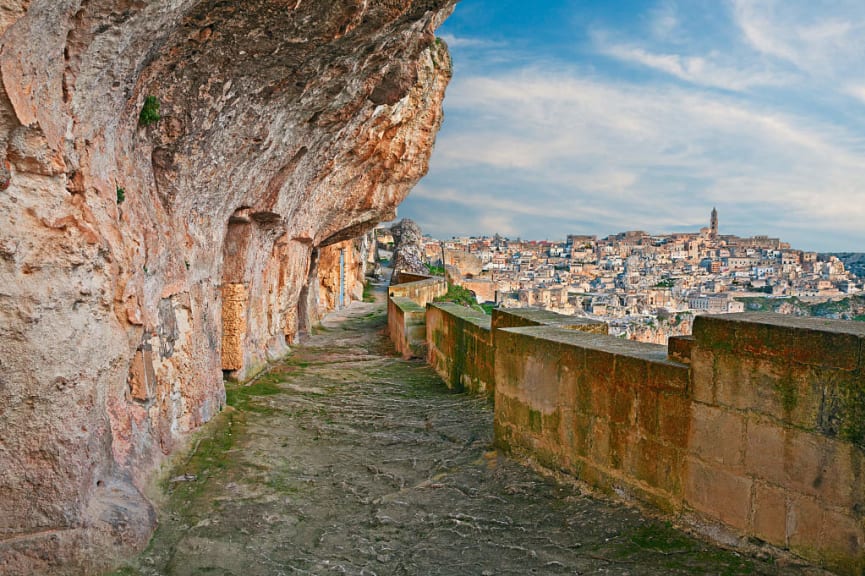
(849, 308)
(853, 261)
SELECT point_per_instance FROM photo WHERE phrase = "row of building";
(628, 279)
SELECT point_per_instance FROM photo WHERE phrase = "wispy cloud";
(825, 39)
(664, 21)
(466, 42)
(695, 69)
(857, 91)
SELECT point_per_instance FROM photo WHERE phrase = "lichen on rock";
(284, 127)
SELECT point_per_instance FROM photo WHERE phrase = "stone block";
(600, 377)
(825, 535)
(648, 419)
(825, 468)
(570, 367)
(679, 348)
(656, 464)
(788, 392)
(765, 451)
(622, 439)
(582, 434)
(770, 515)
(703, 375)
(234, 308)
(630, 372)
(565, 429)
(583, 392)
(843, 542)
(600, 367)
(669, 376)
(599, 451)
(804, 522)
(509, 361)
(601, 398)
(718, 493)
(717, 436)
(674, 411)
(811, 341)
(622, 400)
(714, 333)
(841, 411)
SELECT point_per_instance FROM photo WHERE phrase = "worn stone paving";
(344, 459)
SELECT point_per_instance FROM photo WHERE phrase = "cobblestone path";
(346, 460)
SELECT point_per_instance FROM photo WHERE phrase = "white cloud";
(694, 69)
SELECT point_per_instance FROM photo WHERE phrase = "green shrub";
(149, 112)
(458, 295)
(121, 195)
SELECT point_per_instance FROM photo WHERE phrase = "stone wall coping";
(786, 321)
(407, 304)
(834, 344)
(411, 277)
(546, 317)
(655, 353)
(470, 315)
(397, 289)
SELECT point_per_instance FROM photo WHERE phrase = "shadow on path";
(345, 459)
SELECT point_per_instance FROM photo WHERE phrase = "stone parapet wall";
(762, 435)
(612, 412)
(518, 317)
(406, 317)
(403, 277)
(406, 322)
(460, 347)
(753, 428)
(423, 290)
(776, 446)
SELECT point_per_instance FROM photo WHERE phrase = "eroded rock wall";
(285, 127)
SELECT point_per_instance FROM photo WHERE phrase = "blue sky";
(594, 117)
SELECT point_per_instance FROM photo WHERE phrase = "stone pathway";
(346, 460)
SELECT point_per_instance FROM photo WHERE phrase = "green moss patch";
(678, 552)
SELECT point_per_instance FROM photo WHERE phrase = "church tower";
(713, 226)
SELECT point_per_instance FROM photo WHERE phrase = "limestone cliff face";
(138, 261)
(408, 250)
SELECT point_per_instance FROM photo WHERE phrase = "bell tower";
(713, 225)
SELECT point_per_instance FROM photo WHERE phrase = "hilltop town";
(647, 286)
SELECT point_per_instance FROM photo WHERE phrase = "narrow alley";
(344, 459)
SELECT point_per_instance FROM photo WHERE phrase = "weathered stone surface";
(285, 127)
(812, 341)
(408, 253)
(460, 347)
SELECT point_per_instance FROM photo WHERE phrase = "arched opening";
(235, 289)
(307, 302)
